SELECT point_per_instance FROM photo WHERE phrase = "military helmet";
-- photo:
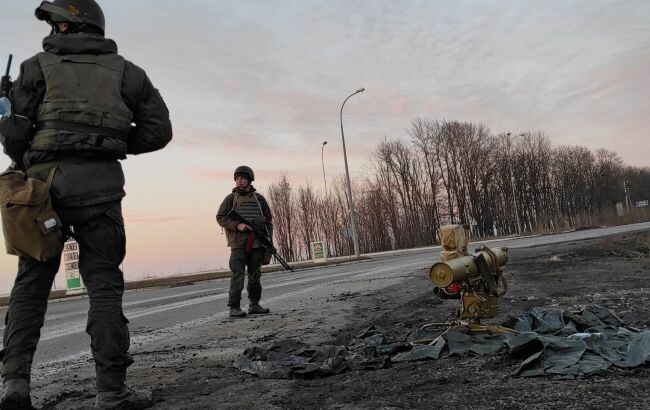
(245, 172)
(74, 11)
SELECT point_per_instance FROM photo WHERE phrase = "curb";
(189, 279)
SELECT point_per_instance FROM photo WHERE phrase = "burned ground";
(197, 374)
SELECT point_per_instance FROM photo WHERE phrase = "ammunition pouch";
(29, 223)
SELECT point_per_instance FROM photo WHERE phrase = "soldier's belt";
(81, 128)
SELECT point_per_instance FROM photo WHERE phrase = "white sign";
(641, 204)
(619, 209)
(71, 263)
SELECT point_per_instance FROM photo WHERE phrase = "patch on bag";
(49, 223)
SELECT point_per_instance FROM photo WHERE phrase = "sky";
(261, 83)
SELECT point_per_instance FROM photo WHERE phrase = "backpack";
(29, 223)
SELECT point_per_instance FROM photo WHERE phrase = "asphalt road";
(155, 314)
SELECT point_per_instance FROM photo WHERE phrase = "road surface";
(156, 315)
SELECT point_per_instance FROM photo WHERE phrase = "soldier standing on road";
(246, 251)
(79, 107)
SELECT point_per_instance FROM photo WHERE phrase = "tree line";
(458, 172)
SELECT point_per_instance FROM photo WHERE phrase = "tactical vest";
(250, 209)
(83, 107)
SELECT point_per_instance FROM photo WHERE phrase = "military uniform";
(245, 253)
(80, 107)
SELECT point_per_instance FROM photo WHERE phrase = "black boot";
(16, 395)
(256, 309)
(123, 398)
(236, 312)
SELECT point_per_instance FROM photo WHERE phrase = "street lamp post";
(353, 218)
(512, 186)
(322, 158)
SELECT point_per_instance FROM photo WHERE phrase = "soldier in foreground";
(79, 108)
(246, 250)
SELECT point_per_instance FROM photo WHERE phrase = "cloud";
(149, 219)
(262, 82)
(211, 174)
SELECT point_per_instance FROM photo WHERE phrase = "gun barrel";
(9, 64)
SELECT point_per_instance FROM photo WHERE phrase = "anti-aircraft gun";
(477, 279)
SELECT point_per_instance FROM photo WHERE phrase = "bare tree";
(456, 172)
(280, 196)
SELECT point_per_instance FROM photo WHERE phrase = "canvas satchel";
(29, 223)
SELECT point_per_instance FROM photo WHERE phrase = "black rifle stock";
(261, 236)
(5, 87)
(5, 82)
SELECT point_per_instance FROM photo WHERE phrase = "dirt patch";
(613, 272)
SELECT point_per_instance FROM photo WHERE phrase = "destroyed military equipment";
(29, 223)
(289, 358)
(550, 342)
(261, 236)
(477, 280)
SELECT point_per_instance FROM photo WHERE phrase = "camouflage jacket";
(235, 238)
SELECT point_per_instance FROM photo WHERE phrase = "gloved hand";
(5, 107)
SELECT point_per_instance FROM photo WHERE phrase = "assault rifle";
(6, 83)
(261, 236)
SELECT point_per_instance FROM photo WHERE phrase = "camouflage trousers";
(99, 231)
(240, 261)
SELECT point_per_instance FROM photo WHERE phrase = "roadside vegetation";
(458, 172)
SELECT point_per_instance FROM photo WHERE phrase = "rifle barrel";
(9, 64)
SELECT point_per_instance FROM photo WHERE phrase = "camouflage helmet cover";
(73, 11)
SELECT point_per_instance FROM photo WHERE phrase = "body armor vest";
(83, 107)
(251, 210)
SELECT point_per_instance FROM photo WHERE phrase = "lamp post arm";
(322, 158)
(343, 105)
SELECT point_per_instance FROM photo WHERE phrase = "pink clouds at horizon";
(261, 83)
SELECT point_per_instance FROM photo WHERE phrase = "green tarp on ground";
(549, 342)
